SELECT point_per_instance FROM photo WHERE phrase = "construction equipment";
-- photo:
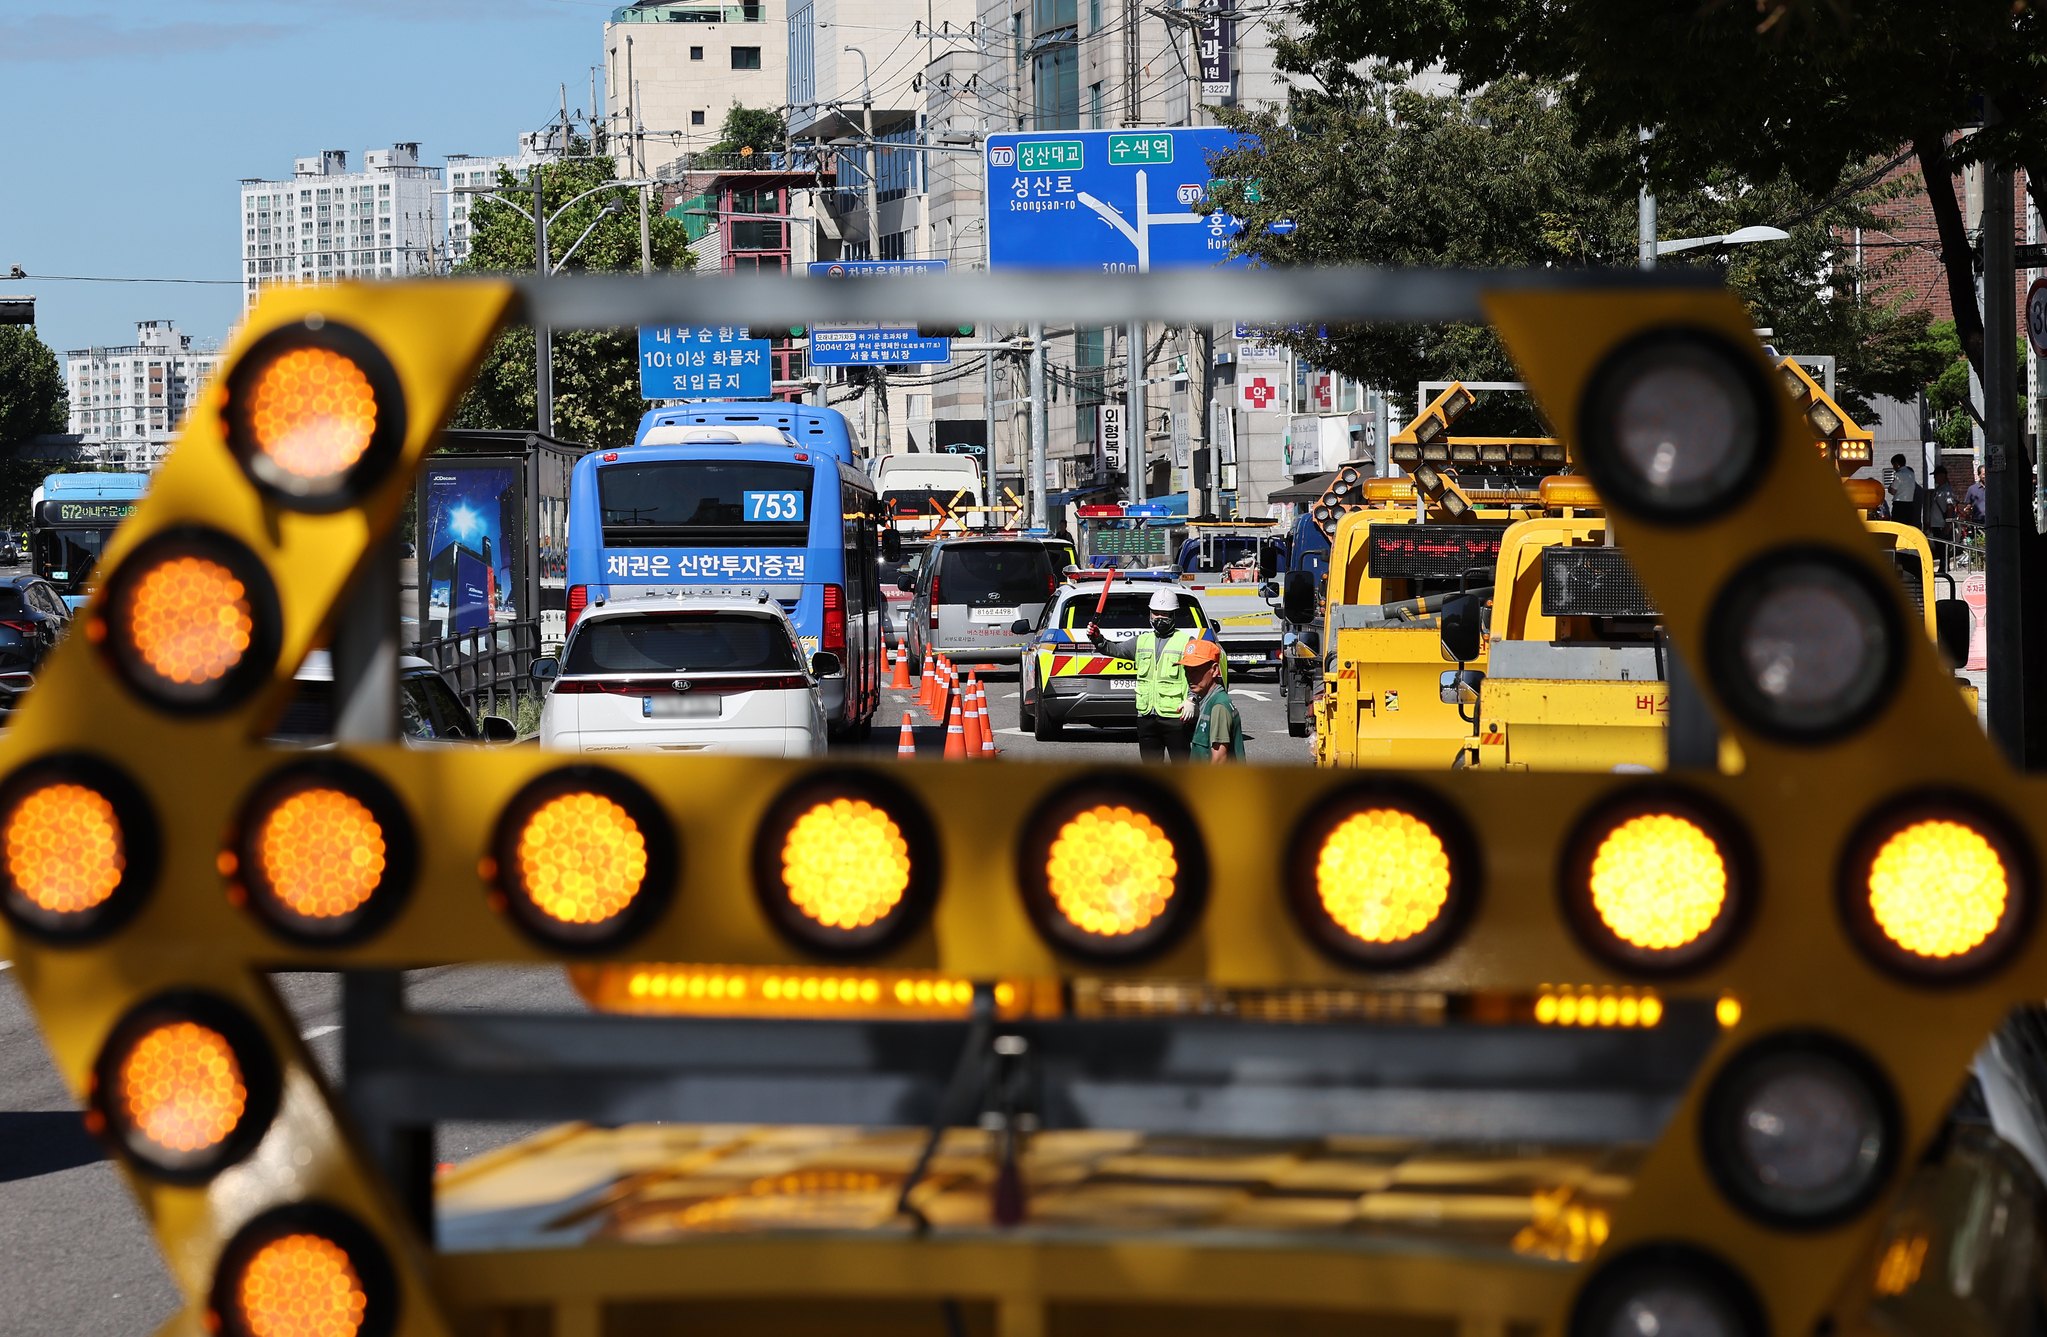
(1420, 1052)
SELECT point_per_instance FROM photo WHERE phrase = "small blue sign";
(774, 507)
(868, 344)
(703, 362)
(1113, 202)
(1282, 227)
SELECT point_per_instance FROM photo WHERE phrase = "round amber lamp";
(63, 848)
(846, 864)
(1383, 875)
(1111, 870)
(582, 858)
(181, 1087)
(301, 1286)
(189, 620)
(322, 852)
(1658, 881)
(1937, 888)
(312, 412)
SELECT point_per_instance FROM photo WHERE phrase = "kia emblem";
(680, 684)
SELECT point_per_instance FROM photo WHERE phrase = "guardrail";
(487, 668)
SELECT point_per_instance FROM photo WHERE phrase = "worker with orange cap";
(1218, 727)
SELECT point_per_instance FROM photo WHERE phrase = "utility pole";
(987, 333)
(1037, 493)
(543, 339)
(2009, 503)
(1645, 216)
(1133, 409)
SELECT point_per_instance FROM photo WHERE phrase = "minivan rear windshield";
(682, 643)
(995, 574)
(665, 502)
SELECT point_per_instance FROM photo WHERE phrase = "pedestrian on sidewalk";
(1940, 504)
(1218, 725)
(1904, 493)
(1165, 713)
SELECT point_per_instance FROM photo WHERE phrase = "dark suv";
(32, 616)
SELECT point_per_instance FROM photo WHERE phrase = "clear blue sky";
(130, 127)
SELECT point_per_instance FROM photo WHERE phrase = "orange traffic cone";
(976, 719)
(924, 682)
(988, 752)
(948, 690)
(901, 681)
(955, 735)
(906, 741)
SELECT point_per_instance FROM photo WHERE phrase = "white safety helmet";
(1165, 601)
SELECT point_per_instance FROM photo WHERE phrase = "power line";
(84, 278)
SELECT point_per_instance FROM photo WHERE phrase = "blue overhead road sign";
(703, 362)
(1112, 201)
(866, 344)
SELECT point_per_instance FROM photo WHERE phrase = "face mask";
(1162, 624)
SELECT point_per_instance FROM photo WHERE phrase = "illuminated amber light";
(312, 412)
(189, 620)
(845, 864)
(64, 848)
(1728, 1010)
(181, 1087)
(1937, 888)
(582, 858)
(1901, 1264)
(302, 1286)
(1111, 870)
(323, 853)
(1658, 881)
(1587, 1006)
(1383, 875)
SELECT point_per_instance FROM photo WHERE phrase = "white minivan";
(670, 673)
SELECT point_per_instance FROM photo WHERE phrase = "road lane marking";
(317, 1032)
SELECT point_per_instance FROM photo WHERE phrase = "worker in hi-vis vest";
(1165, 712)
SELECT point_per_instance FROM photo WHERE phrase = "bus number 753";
(779, 506)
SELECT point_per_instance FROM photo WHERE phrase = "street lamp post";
(543, 342)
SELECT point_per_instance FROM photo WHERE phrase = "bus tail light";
(579, 599)
(834, 619)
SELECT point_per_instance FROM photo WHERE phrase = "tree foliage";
(596, 372)
(1377, 172)
(33, 400)
(1800, 89)
(761, 131)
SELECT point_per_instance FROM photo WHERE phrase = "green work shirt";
(1218, 722)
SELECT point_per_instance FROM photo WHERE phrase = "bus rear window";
(678, 501)
(682, 643)
(928, 501)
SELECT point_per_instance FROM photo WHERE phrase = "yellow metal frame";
(1795, 967)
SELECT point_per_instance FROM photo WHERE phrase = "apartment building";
(672, 71)
(469, 171)
(327, 223)
(127, 399)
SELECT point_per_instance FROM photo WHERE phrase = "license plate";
(1122, 685)
(679, 707)
(1003, 615)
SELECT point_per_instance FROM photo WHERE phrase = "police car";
(1064, 681)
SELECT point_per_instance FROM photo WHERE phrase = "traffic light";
(1813, 946)
(943, 331)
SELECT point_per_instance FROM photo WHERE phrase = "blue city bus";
(812, 425)
(795, 523)
(71, 517)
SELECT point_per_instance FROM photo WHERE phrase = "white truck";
(921, 490)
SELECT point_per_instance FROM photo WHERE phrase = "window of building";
(895, 245)
(696, 118)
(1049, 14)
(761, 234)
(1094, 15)
(1016, 39)
(746, 57)
(1057, 76)
(1094, 106)
(696, 53)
